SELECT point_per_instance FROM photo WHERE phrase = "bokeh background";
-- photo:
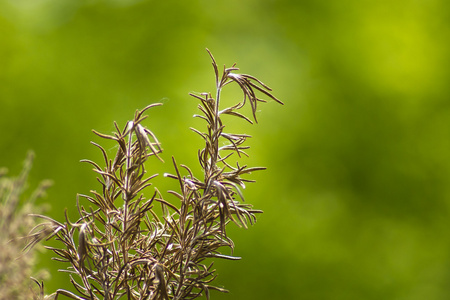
(357, 191)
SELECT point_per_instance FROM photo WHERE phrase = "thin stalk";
(216, 128)
(126, 193)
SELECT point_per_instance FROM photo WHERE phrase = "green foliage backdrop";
(357, 191)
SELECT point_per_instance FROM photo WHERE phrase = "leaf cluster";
(121, 248)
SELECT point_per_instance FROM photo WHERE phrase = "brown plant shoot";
(120, 248)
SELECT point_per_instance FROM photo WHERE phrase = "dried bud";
(82, 244)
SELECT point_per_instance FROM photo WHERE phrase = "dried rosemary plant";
(122, 249)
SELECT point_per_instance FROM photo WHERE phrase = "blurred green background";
(357, 191)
